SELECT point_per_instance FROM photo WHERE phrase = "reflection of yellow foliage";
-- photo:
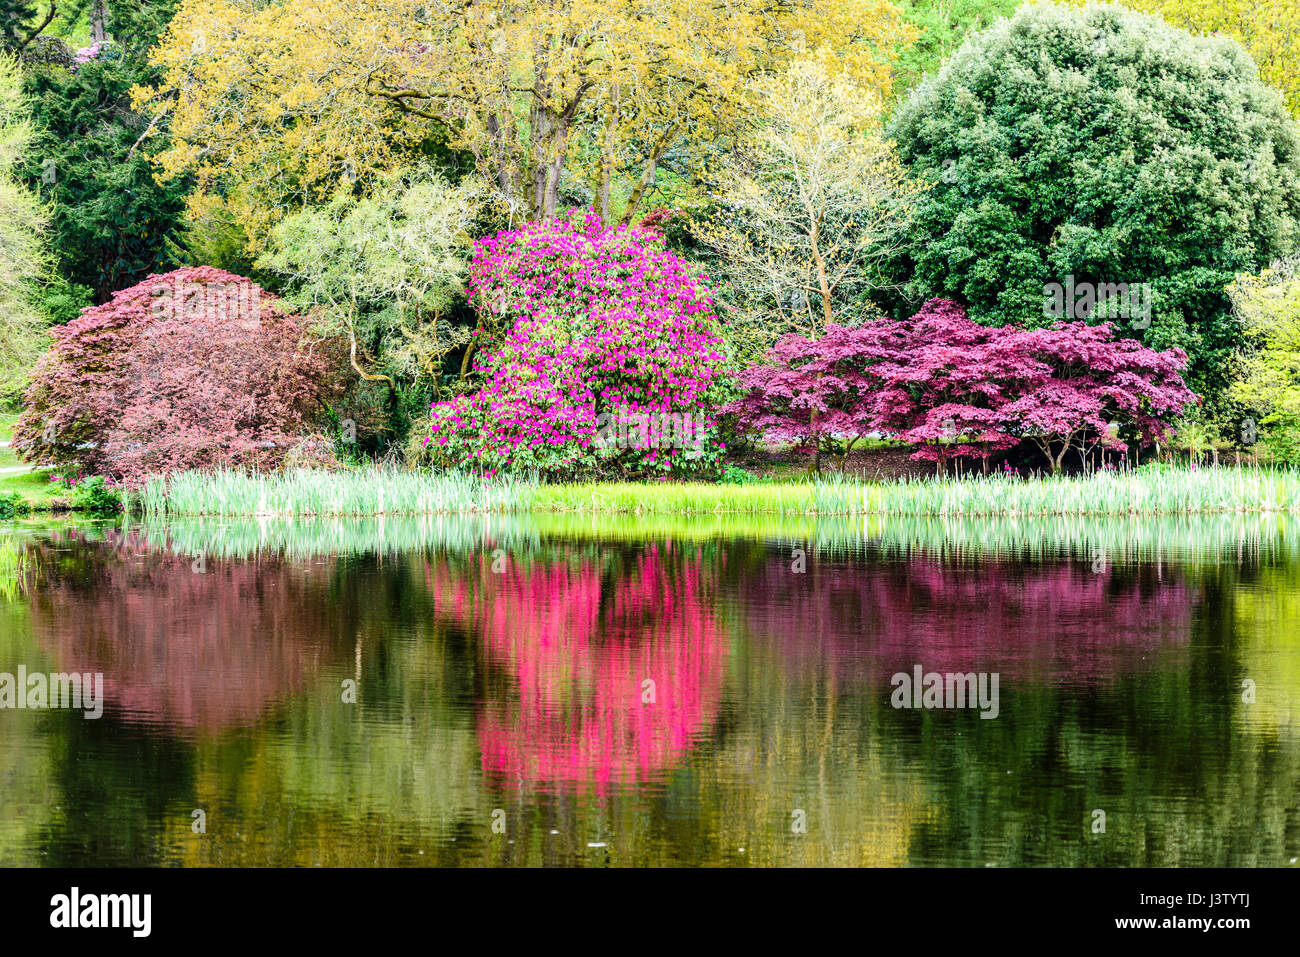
(294, 806)
(800, 748)
(31, 789)
(337, 785)
(1267, 616)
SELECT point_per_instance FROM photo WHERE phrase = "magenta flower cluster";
(578, 319)
(88, 53)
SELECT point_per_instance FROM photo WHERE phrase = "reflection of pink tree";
(188, 651)
(579, 652)
(869, 621)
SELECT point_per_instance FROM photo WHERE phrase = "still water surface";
(606, 691)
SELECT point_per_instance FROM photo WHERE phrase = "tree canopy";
(23, 220)
(275, 103)
(1098, 145)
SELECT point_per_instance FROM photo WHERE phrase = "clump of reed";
(374, 490)
(13, 566)
(377, 490)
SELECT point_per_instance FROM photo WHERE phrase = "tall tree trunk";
(540, 166)
(826, 321)
(1056, 462)
(540, 126)
(560, 143)
(844, 459)
(822, 283)
(500, 147)
(648, 174)
(607, 156)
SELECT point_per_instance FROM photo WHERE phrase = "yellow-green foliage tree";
(807, 205)
(272, 104)
(1268, 29)
(380, 272)
(22, 253)
(1269, 308)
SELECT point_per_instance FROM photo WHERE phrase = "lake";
(614, 691)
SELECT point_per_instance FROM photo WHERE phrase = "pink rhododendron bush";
(599, 355)
(952, 387)
(191, 369)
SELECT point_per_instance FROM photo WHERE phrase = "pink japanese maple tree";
(193, 368)
(1097, 384)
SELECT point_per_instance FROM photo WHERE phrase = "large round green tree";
(1097, 145)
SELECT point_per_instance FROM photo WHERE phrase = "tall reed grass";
(1162, 490)
(1155, 491)
(370, 491)
(13, 565)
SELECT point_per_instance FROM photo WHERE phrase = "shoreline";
(373, 491)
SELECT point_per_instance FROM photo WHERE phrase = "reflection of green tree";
(28, 792)
(1267, 611)
(1181, 782)
(787, 745)
(118, 787)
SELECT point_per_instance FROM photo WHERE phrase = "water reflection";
(1074, 621)
(185, 644)
(600, 670)
(649, 691)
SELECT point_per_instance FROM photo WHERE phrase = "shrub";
(195, 368)
(13, 504)
(95, 495)
(603, 357)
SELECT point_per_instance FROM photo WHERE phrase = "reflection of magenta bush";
(595, 321)
(865, 622)
(608, 681)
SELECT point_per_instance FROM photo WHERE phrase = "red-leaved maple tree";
(193, 368)
(953, 388)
